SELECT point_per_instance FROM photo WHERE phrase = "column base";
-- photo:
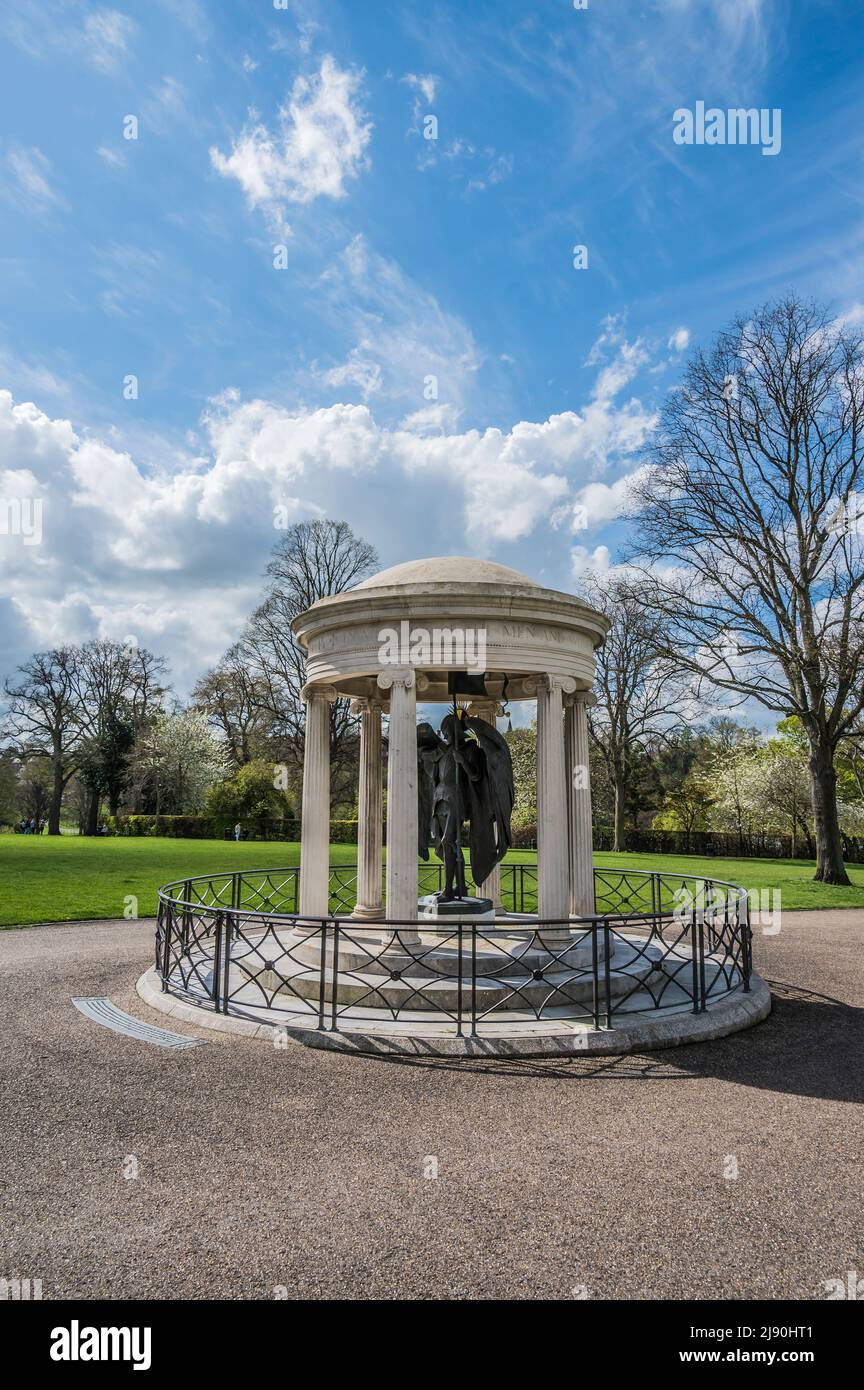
(367, 914)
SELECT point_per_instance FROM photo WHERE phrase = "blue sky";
(307, 386)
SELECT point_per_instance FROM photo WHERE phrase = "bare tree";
(44, 718)
(640, 694)
(753, 498)
(314, 559)
(234, 700)
(68, 707)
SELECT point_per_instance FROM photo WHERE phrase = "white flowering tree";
(180, 757)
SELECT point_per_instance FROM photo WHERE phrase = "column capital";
(533, 685)
(311, 691)
(581, 697)
(361, 703)
(405, 676)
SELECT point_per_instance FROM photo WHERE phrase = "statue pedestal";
(432, 910)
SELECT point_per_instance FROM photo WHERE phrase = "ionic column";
(315, 821)
(402, 797)
(579, 828)
(487, 710)
(553, 870)
(370, 836)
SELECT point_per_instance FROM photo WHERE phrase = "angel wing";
(492, 799)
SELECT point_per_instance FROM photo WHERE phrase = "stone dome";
(448, 569)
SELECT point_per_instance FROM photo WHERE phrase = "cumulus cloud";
(174, 551)
(320, 142)
(597, 504)
(679, 341)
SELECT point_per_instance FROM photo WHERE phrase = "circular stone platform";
(370, 1030)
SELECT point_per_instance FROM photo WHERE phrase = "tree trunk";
(56, 796)
(618, 831)
(829, 845)
(92, 822)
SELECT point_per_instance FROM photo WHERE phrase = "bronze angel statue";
(465, 774)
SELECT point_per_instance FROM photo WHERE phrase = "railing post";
(230, 930)
(334, 980)
(322, 975)
(702, 963)
(607, 956)
(187, 914)
(218, 948)
(166, 942)
(694, 958)
(460, 927)
(595, 978)
(473, 979)
(746, 941)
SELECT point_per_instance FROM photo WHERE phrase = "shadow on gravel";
(810, 1045)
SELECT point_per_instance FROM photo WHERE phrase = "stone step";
(553, 988)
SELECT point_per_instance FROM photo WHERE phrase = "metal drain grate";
(100, 1010)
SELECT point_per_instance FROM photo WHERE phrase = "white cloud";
(426, 85)
(320, 143)
(173, 550)
(597, 504)
(679, 341)
(584, 562)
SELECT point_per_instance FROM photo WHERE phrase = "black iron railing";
(236, 943)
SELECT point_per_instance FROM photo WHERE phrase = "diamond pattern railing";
(237, 943)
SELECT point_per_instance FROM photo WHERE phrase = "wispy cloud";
(106, 38)
(30, 180)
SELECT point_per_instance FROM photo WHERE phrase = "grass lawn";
(73, 878)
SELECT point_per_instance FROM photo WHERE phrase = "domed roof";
(449, 569)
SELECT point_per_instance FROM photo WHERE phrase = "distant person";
(238, 831)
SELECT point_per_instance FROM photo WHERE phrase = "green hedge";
(342, 832)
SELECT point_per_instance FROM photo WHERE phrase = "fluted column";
(488, 711)
(315, 822)
(553, 870)
(370, 836)
(579, 826)
(402, 797)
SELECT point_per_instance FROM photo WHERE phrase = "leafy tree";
(523, 751)
(34, 790)
(8, 787)
(249, 794)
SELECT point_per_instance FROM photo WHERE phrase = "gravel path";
(263, 1169)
